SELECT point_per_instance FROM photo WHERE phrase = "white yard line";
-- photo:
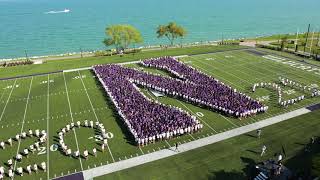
(229, 120)
(85, 89)
(199, 117)
(5, 106)
(4, 90)
(141, 150)
(48, 145)
(164, 153)
(23, 121)
(74, 131)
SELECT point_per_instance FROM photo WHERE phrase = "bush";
(228, 43)
(16, 63)
(103, 53)
(130, 51)
(276, 48)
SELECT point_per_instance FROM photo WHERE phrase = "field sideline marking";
(74, 131)
(48, 146)
(198, 117)
(2, 94)
(164, 153)
(5, 106)
(85, 89)
(23, 120)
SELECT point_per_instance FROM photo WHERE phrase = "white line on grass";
(228, 120)
(5, 106)
(135, 161)
(2, 94)
(85, 89)
(141, 150)
(198, 117)
(74, 131)
(23, 120)
(48, 146)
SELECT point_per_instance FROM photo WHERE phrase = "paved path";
(136, 161)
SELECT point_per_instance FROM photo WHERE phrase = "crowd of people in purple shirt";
(149, 120)
(209, 91)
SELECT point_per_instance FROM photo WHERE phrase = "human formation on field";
(149, 120)
(86, 124)
(11, 169)
(312, 92)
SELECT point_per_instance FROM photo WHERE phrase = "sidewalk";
(136, 161)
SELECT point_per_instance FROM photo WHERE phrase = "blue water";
(24, 24)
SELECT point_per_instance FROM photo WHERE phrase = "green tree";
(121, 36)
(172, 31)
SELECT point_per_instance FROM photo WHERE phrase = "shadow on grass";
(301, 163)
(248, 172)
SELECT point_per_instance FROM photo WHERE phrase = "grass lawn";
(57, 65)
(52, 101)
(235, 158)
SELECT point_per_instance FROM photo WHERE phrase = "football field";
(50, 102)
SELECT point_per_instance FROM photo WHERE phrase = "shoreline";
(73, 55)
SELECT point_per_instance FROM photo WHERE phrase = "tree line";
(121, 36)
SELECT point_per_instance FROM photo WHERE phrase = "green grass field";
(50, 102)
(235, 158)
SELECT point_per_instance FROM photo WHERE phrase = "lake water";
(27, 25)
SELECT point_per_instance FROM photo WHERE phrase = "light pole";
(25, 51)
(304, 49)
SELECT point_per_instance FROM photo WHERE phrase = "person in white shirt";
(105, 141)
(19, 157)
(23, 135)
(264, 148)
(77, 154)
(1, 170)
(1, 176)
(35, 168)
(37, 144)
(279, 158)
(102, 147)
(86, 123)
(31, 147)
(2, 145)
(26, 152)
(17, 137)
(29, 169)
(68, 152)
(37, 132)
(94, 150)
(10, 163)
(30, 132)
(43, 166)
(68, 127)
(10, 141)
(72, 125)
(91, 124)
(20, 171)
(10, 173)
(78, 124)
(85, 154)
